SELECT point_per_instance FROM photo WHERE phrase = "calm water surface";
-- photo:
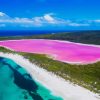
(17, 84)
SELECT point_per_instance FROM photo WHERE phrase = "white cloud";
(22, 20)
(45, 20)
(98, 20)
(78, 24)
(49, 18)
(2, 14)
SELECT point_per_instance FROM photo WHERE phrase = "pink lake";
(60, 50)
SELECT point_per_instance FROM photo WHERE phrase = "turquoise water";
(17, 84)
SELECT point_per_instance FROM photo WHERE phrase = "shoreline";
(54, 57)
(63, 41)
(64, 89)
(48, 55)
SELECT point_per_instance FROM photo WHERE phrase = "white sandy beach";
(57, 85)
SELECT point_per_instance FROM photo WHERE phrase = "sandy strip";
(64, 41)
(57, 85)
(51, 57)
(56, 56)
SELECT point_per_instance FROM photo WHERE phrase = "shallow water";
(17, 84)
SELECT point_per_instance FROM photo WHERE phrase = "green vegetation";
(88, 37)
(87, 76)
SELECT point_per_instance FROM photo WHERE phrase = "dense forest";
(87, 37)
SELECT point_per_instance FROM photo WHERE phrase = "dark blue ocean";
(23, 33)
(31, 32)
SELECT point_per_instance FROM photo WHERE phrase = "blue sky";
(49, 14)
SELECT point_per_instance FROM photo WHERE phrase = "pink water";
(59, 50)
